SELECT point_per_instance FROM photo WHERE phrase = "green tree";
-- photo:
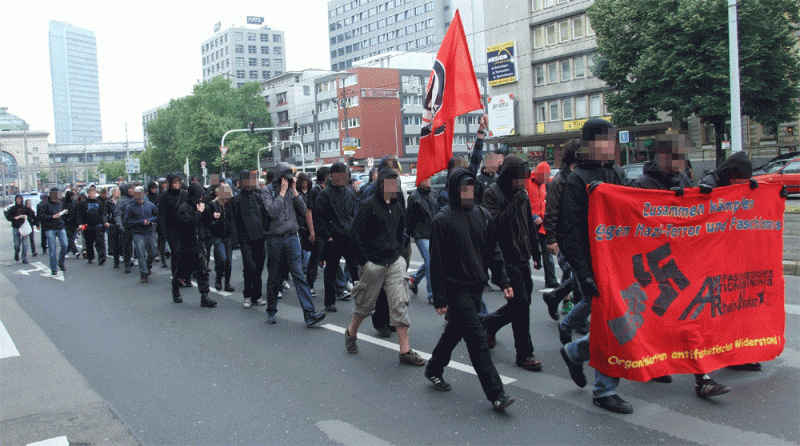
(62, 175)
(113, 170)
(192, 127)
(44, 177)
(672, 56)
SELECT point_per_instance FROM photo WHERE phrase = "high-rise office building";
(76, 88)
(250, 52)
(359, 29)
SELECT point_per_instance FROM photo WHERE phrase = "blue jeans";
(21, 242)
(286, 248)
(223, 258)
(53, 236)
(423, 245)
(146, 249)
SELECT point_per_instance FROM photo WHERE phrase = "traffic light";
(790, 129)
(252, 128)
(295, 127)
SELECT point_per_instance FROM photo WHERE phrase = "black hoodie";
(333, 212)
(189, 220)
(18, 209)
(653, 178)
(249, 215)
(71, 205)
(737, 166)
(511, 211)
(90, 213)
(122, 204)
(167, 205)
(378, 231)
(423, 204)
(463, 244)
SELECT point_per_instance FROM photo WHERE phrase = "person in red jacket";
(537, 193)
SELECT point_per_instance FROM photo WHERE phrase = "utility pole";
(127, 150)
(27, 168)
(736, 107)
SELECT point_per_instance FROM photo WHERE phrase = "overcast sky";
(148, 51)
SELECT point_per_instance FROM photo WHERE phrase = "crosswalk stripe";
(57, 441)
(7, 347)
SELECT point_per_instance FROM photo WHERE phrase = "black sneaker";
(315, 318)
(414, 287)
(502, 402)
(330, 308)
(749, 367)
(552, 302)
(613, 403)
(63, 267)
(438, 382)
(563, 336)
(575, 370)
(666, 379)
(102, 261)
(707, 387)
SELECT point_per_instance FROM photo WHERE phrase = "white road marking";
(793, 309)
(44, 269)
(7, 347)
(347, 434)
(214, 290)
(396, 347)
(58, 441)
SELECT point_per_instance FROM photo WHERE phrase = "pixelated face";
(92, 193)
(339, 178)
(425, 184)
(224, 194)
(250, 182)
(602, 149)
(671, 153)
(467, 192)
(493, 162)
(390, 188)
(175, 184)
(54, 195)
(214, 178)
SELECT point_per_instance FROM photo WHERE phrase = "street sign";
(349, 143)
(624, 137)
(203, 164)
(132, 165)
(223, 151)
(370, 162)
(101, 178)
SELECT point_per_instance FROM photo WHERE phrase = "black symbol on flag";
(662, 274)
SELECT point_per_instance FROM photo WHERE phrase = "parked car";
(35, 198)
(771, 166)
(633, 171)
(788, 175)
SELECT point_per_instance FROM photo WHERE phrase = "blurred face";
(224, 195)
(175, 184)
(467, 193)
(339, 178)
(138, 196)
(425, 184)
(519, 183)
(390, 188)
(493, 162)
(249, 183)
(671, 154)
(602, 149)
(92, 194)
(54, 196)
(214, 178)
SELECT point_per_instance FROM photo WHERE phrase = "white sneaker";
(261, 302)
(349, 286)
(247, 302)
(286, 285)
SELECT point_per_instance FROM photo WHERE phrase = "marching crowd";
(489, 224)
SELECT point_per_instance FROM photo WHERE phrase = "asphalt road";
(183, 374)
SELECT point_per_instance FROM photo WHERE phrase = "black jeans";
(516, 311)
(95, 239)
(72, 232)
(126, 240)
(189, 263)
(253, 256)
(462, 306)
(162, 247)
(334, 251)
(172, 239)
(548, 265)
(113, 243)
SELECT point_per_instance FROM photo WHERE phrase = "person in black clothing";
(595, 164)
(191, 257)
(39, 210)
(735, 170)
(219, 218)
(378, 240)
(474, 163)
(109, 211)
(71, 221)
(167, 219)
(52, 221)
(422, 207)
(34, 222)
(91, 220)
(333, 214)
(17, 215)
(323, 176)
(488, 173)
(463, 247)
(507, 201)
(305, 222)
(251, 222)
(152, 193)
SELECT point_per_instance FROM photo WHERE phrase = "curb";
(791, 268)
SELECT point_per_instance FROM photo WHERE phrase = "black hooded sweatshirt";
(71, 205)
(423, 204)
(378, 231)
(652, 178)
(249, 215)
(512, 214)
(189, 220)
(572, 228)
(124, 200)
(91, 213)
(463, 244)
(333, 212)
(737, 166)
(18, 209)
(167, 205)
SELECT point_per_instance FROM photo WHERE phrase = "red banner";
(687, 284)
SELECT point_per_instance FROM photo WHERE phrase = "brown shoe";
(530, 364)
(412, 358)
(144, 278)
(350, 343)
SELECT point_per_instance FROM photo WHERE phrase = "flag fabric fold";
(452, 91)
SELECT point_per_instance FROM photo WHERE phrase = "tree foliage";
(193, 127)
(114, 170)
(672, 56)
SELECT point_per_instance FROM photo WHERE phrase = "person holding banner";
(594, 164)
(667, 173)
(463, 248)
(507, 201)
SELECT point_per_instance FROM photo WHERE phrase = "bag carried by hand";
(25, 229)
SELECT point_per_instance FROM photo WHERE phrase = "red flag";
(452, 91)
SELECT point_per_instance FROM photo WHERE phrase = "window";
(278, 64)
(264, 62)
(251, 37)
(251, 49)
(429, 23)
(264, 37)
(554, 116)
(265, 74)
(552, 72)
(580, 67)
(550, 32)
(577, 27)
(589, 30)
(591, 65)
(537, 5)
(566, 70)
(252, 62)
(563, 31)
(306, 89)
(277, 51)
(566, 109)
(580, 107)
(541, 112)
(538, 37)
(239, 74)
(264, 50)
(539, 74)
(239, 49)
(238, 37)
(240, 61)
(253, 74)
(595, 105)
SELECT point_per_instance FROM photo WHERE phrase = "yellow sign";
(540, 127)
(578, 123)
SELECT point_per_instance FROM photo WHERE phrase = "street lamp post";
(258, 158)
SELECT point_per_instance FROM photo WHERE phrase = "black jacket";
(737, 166)
(652, 178)
(463, 245)
(49, 209)
(378, 230)
(555, 192)
(91, 213)
(572, 228)
(71, 205)
(16, 210)
(423, 205)
(249, 216)
(333, 212)
(167, 207)
(137, 213)
(122, 204)
(511, 211)
(221, 227)
(190, 222)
